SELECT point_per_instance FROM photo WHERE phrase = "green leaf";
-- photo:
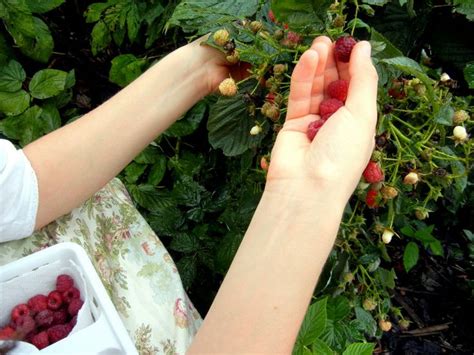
(338, 308)
(14, 103)
(166, 220)
(404, 64)
(321, 348)
(126, 68)
(5, 50)
(229, 126)
(42, 6)
(359, 349)
(101, 37)
(38, 45)
(365, 321)
(465, 7)
(226, 251)
(436, 248)
(314, 322)
(184, 243)
(47, 83)
(376, 2)
(469, 74)
(390, 51)
(149, 197)
(187, 270)
(300, 14)
(50, 117)
(157, 171)
(445, 115)
(149, 155)
(410, 256)
(26, 127)
(385, 278)
(189, 122)
(133, 22)
(204, 16)
(133, 172)
(12, 76)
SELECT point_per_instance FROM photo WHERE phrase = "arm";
(262, 301)
(77, 160)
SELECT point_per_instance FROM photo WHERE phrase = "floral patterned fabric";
(137, 271)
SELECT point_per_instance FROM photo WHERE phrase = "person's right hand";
(339, 153)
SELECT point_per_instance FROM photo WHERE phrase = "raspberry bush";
(405, 232)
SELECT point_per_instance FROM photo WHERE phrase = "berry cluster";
(44, 320)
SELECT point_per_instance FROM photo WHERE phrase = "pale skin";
(262, 301)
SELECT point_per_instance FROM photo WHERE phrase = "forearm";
(263, 299)
(77, 160)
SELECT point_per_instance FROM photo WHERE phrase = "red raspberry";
(44, 318)
(40, 340)
(313, 129)
(343, 48)
(37, 304)
(64, 283)
(73, 322)
(55, 300)
(371, 198)
(293, 37)
(270, 97)
(338, 90)
(373, 173)
(20, 311)
(70, 294)
(7, 333)
(60, 317)
(24, 325)
(329, 106)
(271, 16)
(75, 306)
(57, 332)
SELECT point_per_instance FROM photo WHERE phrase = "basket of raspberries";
(45, 319)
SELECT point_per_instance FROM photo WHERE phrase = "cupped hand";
(337, 156)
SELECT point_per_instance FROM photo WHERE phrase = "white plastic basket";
(99, 328)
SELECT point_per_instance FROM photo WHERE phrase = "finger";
(331, 72)
(299, 101)
(362, 95)
(317, 91)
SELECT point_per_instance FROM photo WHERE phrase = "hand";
(216, 65)
(337, 156)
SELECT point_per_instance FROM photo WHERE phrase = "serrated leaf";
(229, 126)
(226, 251)
(51, 118)
(445, 115)
(47, 83)
(359, 349)
(465, 7)
(12, 76)
(149, 197)
(133, 22)
(436, 248)
(42, 6)
(300, 14)
(204, 16)
(5, 50)
(338, 308)
(133, 172)
(167, 220)
(321, 348)
(469, 74)
(385, 278)
(38, 45)
(410, 256)
(26, 127)
(14, 103)
(366, 321)
(187, 270)
(184, 243)
(314, 322)
(189, 123)
(126, 68)
(101, 37)
(389, 51)
(157, 171)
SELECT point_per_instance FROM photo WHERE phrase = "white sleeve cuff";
(18, 194)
